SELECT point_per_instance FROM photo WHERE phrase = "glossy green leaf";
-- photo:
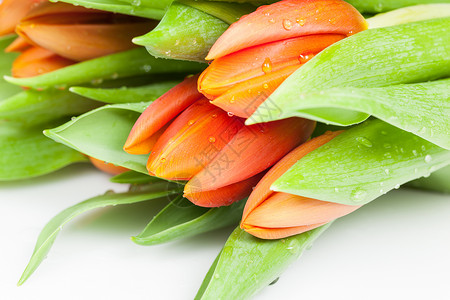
(51, 230)
(25, 152)
(184, 33)
(140, 8)
(133, 177)
(101, 133)
(410, 14)
(225, 11)
(376, 6)
(361, 164)
(119, 65)
(390, 56)
(126, 94)
(421, 108)
(6, 59)
(247, 264)
(181, 219)
(438, 181)
(32, 107)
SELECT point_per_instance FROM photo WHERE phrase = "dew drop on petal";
(191, 122)
(301, 22)
(163, 160)
(287, 24)
(230, 114)
(212, 139)
(266, 86)
(267, 66)
(233, 99)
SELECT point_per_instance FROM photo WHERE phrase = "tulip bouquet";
(277, 117)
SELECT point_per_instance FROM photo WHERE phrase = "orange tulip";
(190, 139)
(258, 52)
(11, 11)
(55, 35)
(273, 215)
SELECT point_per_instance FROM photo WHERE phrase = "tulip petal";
(245, 64)
(35, 61)
(193, 139)
(262, 190)
(300, 18)
(224, 196)
(278, 233)
(286, 210)
(252, 150)
(81, 34)
(244, 98)
(18, 45)
(107, 168)
(12, 11)
(160, 113)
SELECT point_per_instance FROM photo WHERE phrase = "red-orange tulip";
(254, 56)
(273, 215)
(190, 139)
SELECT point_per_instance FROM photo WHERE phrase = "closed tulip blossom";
(55, 35)
(220, 158)
(258, 52)
(273, 215)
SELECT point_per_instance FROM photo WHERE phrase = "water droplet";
(428, 158)
(423, 148)
(381, 183)
(249, 91)
(146, 68)
(332, 21)
(230, 114)
(304, 58)
(177, 42)
(416, 171)
(115, 76)
(414, 152)
(266, 86)
(381, 191)
(212, 139)
(97, 81)
(350, 33)
(336, 190)
(387, 171)
(364, 141)
(163, 160)
(267, 66)
(232, 99)
(358, 195)
(301, 22)
(272, 21)
(387, 155)
(168, 52)
(214, 116)
(287, 24)
(383, 132)
(387, 146)
(216, 276)
(191, 122)
(136, 2)
(397, 186)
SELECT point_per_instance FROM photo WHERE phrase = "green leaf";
(101, 133)
(119, 65)
(51, 230)
(361, 164)
(6, 60)
(184, 33)
(225, 11)
(421, 108)
(25, 152)
(393, 55)
(376, 6)
(133, 177)
(410, 14)
(181, 219)
(247, 264)
(140, 8)
(126, 94)
(437, 181)
(31, 107)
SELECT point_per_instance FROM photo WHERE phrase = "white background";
(397, 247)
